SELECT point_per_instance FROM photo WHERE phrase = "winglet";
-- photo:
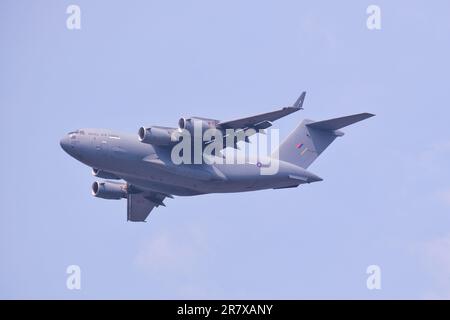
(299, 103)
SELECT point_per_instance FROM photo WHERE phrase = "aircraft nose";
(64, 143)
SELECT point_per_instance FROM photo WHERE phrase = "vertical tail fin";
(311, 138)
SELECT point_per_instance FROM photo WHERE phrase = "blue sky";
(385, 198)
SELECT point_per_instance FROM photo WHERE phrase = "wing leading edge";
(263, 120)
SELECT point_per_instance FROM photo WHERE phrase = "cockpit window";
(73, 132)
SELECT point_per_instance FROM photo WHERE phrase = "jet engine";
(104, 174)
(190, 123)
(161, 136)
(109, 190)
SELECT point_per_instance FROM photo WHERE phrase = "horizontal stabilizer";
(338, 123)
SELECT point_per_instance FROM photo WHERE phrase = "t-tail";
(311, 138)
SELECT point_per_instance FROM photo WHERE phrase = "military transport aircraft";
(142, 169)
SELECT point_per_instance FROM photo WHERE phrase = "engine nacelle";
(156, 135)
(104, 174)
(190, 123)
(109, 190)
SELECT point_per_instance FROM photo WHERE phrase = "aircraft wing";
(263, 120)
(139, 205)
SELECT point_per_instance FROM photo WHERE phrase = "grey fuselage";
(150, 167)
